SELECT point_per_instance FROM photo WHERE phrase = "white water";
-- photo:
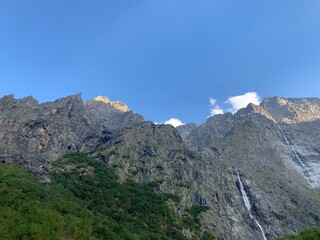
(303, 166)
(305, 172)
(248, 206)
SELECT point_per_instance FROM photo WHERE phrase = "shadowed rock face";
(34, 134)
(185, 129)
(264, 144)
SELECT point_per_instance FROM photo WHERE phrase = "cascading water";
(302, 164)
(305, 172)
(248, 206)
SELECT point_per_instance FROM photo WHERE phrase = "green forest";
(86, 201)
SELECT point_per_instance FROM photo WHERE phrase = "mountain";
(274, 147)
(33, 134)
(249, 175)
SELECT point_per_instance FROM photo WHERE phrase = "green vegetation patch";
(306, 234)
(84, 201)
(191, 220)
(127, 210)
(31, 210)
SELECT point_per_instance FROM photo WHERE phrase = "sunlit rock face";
(116, 104)
(292, 110)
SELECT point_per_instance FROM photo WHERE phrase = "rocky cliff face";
(185, 129)
(34, 134)
(275, 147)
(271, 152)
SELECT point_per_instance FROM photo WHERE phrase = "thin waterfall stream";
(295, 153)
(248, 206)
(303, 165)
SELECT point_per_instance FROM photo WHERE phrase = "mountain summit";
(116, 104)
(292, 110)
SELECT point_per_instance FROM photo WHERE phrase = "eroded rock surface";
(34, 134)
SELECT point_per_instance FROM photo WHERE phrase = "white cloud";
(174, 122)
(214, 107)
(242, 101)
(216, 110)
(212, 101)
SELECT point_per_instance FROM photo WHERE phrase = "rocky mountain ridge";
(290, 110)
(272, 148)
(34, 134)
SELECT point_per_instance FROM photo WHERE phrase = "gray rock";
(186, 129)
(33, 134)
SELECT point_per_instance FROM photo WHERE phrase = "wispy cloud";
(241, 101)
(214, 107)
(236, 102)
(174, 122)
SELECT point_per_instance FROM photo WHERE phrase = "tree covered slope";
(86, 201)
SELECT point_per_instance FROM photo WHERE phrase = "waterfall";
(248, 206)
(303, 165)
(285, 138)
(291, 148)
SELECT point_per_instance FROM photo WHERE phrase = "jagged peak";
(252, 108)
(76, 97)
(9, 101)
(292, 110)
(116, 104)
(101, 99)
(279, 109)
(282, 101)
(29, 100)
(274, 101)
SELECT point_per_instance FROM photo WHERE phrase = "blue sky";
(163, 58)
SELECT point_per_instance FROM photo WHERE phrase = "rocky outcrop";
(185, 129)
(105, 116)
(34, 134)
(292, 110)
